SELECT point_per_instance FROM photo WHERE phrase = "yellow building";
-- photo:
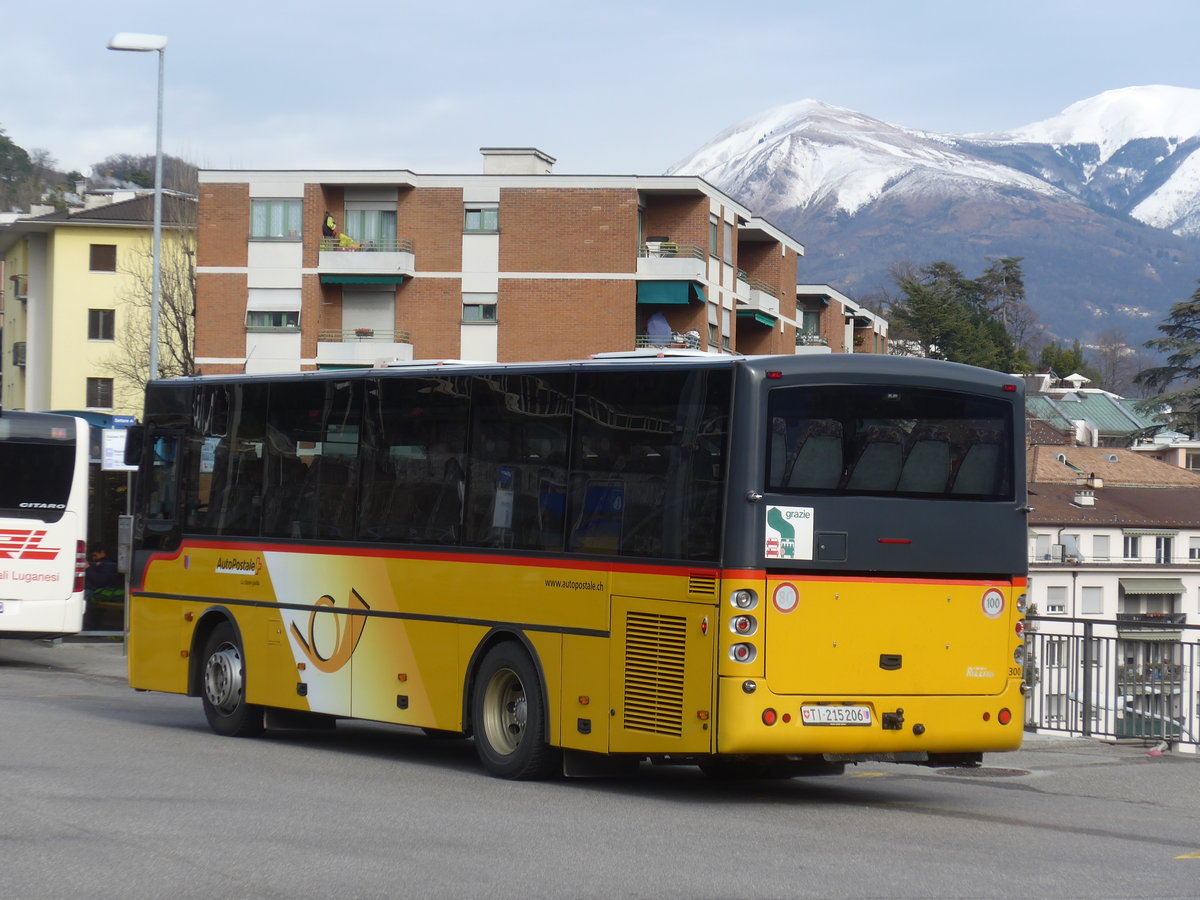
(72, 313)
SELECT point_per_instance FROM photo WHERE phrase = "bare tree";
(1116, 361)
(177, 302)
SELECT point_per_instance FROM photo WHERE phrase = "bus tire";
(223, 686)
(508, 714)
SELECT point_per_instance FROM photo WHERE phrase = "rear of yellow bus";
(875, 564)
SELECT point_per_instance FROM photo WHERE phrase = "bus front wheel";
(508, 715)
(224, 684)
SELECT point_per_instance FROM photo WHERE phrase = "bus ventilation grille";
(702, 584)
(654, 657)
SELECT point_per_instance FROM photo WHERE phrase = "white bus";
(43, 524)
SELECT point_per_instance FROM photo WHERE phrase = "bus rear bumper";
(898, 727)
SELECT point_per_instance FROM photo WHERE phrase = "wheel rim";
(505, 712)
(223, 679)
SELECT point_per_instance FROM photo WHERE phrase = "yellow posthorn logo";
(348, 631)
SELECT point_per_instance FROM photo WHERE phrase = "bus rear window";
(885, 440)
(37, 478)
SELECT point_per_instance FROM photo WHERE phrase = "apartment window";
(1052, 653)
(373, 228)
(1056, 600)
(272, 320)
(479, 307)
(100, 393)
(1131, 547)
(481, 217)
(1100, 547)
(1071, 547)
(1163, 550)
(1054, 706)
(102, 258)
(275, 220)
(713, 235)
(1092, 601)
(100, 324)
(810, 322)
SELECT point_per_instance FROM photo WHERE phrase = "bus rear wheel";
(224, 686)
(508, 715)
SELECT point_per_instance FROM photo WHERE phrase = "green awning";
(673, 292)
(758, 316)
(362, 279)
(1151, 585)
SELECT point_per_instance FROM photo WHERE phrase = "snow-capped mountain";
(1102, 201)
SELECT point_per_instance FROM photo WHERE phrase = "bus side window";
(163, 478)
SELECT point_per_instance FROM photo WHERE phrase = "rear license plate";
(835, 715)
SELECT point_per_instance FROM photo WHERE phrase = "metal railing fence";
(1127, 678)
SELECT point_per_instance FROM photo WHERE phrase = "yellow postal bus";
(760, 565)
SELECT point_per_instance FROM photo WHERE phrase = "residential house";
(1114, 540)
(1091, 416)
(70, 278)
(321, 269)
(826, 318)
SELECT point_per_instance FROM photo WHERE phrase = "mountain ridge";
(1105, 211)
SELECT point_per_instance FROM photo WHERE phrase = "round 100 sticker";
(993, 603)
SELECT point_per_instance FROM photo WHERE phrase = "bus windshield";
(38, 462)
(885, 440)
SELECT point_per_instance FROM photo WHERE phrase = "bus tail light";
(81, 564)
(743, 625)
(744, 599)
(742, 653)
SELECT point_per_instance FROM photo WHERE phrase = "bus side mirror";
(135, 437)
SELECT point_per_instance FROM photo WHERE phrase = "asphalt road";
(106, 792)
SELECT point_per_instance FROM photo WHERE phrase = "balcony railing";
(1151, 620)
(391, 245)
(674, 342)
(347, 335)
(757, 284)
(804, 339)
(671, 250)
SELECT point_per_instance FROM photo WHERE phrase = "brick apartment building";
(514, 264)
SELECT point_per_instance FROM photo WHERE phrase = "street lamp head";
(142, 43)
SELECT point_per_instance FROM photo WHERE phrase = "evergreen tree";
(1181, 344)
(949, 317)
(1064, 361)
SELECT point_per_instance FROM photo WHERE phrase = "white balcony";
(362, 347)
(668, 260)
(390, 258)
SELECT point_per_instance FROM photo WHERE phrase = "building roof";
(1116, 507)
(1116, 467)
(1108, 413)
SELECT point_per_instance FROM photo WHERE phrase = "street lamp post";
(147, 43)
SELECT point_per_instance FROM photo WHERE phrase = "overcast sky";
(609, 87)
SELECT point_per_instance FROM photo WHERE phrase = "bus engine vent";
(654, 664)
(703, 584)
